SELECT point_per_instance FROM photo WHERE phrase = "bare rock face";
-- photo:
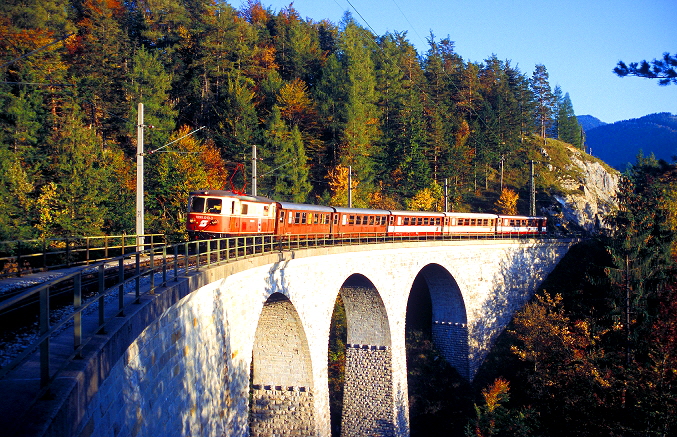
(588, 196)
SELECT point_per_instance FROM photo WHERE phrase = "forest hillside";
(315, 97)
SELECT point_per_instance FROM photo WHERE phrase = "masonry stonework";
(367, 393)
(188, 372)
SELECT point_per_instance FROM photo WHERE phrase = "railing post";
(44, 329)
(102, 287)
(18, 258)
(227, 249)
(164, 265)
(197, 255)
(121, 287)
(137, 274)
(87, 251)
(152, 270)
(77, 316)
(176, 262)
(44, 254)
(209, 253)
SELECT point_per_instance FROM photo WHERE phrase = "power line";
(36, 50)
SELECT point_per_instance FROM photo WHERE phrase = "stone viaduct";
(241, 349)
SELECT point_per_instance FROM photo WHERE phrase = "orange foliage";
(214, 165)
(295, 103)
(496, 393)
(265, 57)
(255, 12)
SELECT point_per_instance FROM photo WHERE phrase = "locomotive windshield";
(209, 205)
(197, 204)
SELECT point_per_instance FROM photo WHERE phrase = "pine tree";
(570, 130)
(289, 160)
(641, 247)
(543, 97)
(361, 127)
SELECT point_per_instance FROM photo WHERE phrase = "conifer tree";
(543, 97)
(289, 161)
(361, 127)
(569, 129)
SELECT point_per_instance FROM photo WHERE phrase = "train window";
(406, 221)
(310, 218)
(371, 220)
(214, 206)
(425, 221)
(245, 208)
(197, 204)
(351, 220)
(297, 218)
(358, 220)
(281, 216)
(512, 222)
(303, 218)
(392, 219)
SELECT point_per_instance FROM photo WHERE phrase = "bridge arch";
(368, 400)
(281, 391)
(449, 321)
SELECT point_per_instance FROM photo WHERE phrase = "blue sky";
(578, 41)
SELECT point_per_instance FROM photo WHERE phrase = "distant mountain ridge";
(618, 143)
(588, 122)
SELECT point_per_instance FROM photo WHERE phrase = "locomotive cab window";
(245, 208)
(214, 206)
(281, 216)
(197, 204)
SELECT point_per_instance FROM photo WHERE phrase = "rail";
(22, 257)
(141, 272)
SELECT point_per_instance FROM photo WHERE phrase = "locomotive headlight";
(192, 221)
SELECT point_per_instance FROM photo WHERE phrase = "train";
(219, 214)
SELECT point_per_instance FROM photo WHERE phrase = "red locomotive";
(217, 214)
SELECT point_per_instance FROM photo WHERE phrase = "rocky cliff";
(587, 191)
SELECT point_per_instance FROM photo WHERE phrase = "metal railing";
(121, 281)
(22, 257)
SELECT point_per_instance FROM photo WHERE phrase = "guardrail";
(28, 256)
(158, 266)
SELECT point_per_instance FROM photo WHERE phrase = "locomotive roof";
(225, 193)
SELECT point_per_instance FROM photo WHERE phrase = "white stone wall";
(188, 373)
